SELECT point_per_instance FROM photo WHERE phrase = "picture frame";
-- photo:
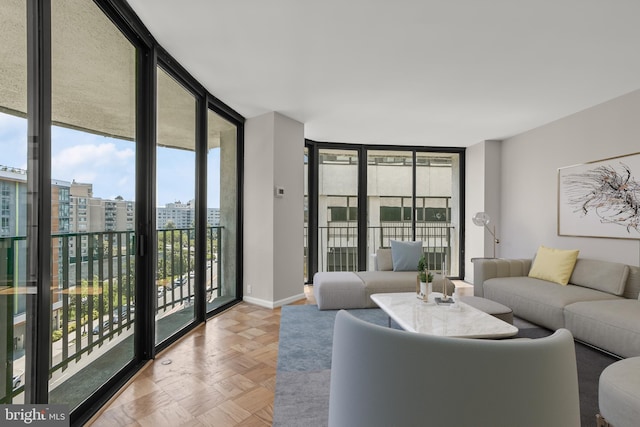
(600, 198)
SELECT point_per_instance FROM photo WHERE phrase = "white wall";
(273, 227)
(258, 234)
(289, 210)
(530, 163)
(482, 185)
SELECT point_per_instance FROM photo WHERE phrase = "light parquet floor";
(223, 374)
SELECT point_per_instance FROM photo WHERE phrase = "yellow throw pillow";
(554, 265)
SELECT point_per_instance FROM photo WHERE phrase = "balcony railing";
(93, 290)
(338, 243)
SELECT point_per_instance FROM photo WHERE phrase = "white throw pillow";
(384, 259)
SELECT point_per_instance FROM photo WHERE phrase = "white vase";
(423, 288)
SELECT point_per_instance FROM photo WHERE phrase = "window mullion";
(38, 319)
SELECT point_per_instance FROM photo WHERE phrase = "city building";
(74, 212)
(182, 215)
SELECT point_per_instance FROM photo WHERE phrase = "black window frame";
(314, 148)
(148, 55)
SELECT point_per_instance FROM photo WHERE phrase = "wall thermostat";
(279, 191)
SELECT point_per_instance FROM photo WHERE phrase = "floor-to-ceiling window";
(93, 182)
(389, 198)
(221, 279)
(411, 193)
(337, 248)
(438, 209)
(86, 172)
(175, 199)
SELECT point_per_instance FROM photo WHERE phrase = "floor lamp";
(482, 219)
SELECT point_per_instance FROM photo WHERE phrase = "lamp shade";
(481, 219)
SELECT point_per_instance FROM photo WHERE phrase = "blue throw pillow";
(405, 255)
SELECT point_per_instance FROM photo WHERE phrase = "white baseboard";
(273, 304)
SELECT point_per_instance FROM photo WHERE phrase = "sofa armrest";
(489, 268)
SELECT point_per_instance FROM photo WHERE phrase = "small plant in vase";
(424, 276)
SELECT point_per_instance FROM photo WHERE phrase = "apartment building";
(182, 215)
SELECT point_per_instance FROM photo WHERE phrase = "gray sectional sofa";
(600, 305)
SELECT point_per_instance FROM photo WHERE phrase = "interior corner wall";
(258, 232)
(289, 210)
(482, 183)
(273, 226)
(530, 163)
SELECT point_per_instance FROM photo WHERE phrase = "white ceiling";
(410, 72)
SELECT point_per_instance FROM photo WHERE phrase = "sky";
(109, 163)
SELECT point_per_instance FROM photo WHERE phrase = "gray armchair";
(387, 377)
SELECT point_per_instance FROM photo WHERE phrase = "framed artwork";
(600, 198)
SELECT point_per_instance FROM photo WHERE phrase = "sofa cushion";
(632, 288)
(612, 325)
(405, 255)
(554, 265)
(604, 276)
(539, 301)
(384, 262)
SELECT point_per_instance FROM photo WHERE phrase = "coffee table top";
(457, 320)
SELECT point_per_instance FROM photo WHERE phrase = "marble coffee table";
(457, 320)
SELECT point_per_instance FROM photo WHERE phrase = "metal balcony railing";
(338, 243)
(93, 290)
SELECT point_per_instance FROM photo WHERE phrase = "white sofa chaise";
(344, 290)
(335, 290)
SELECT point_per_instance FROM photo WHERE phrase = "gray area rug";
(304, 365)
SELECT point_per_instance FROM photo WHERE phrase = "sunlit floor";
(221, 374)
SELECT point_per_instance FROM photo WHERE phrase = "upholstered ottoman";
(493, 308)
(619, 394)
(339, 289)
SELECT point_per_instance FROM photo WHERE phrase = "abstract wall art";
(600, 198)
